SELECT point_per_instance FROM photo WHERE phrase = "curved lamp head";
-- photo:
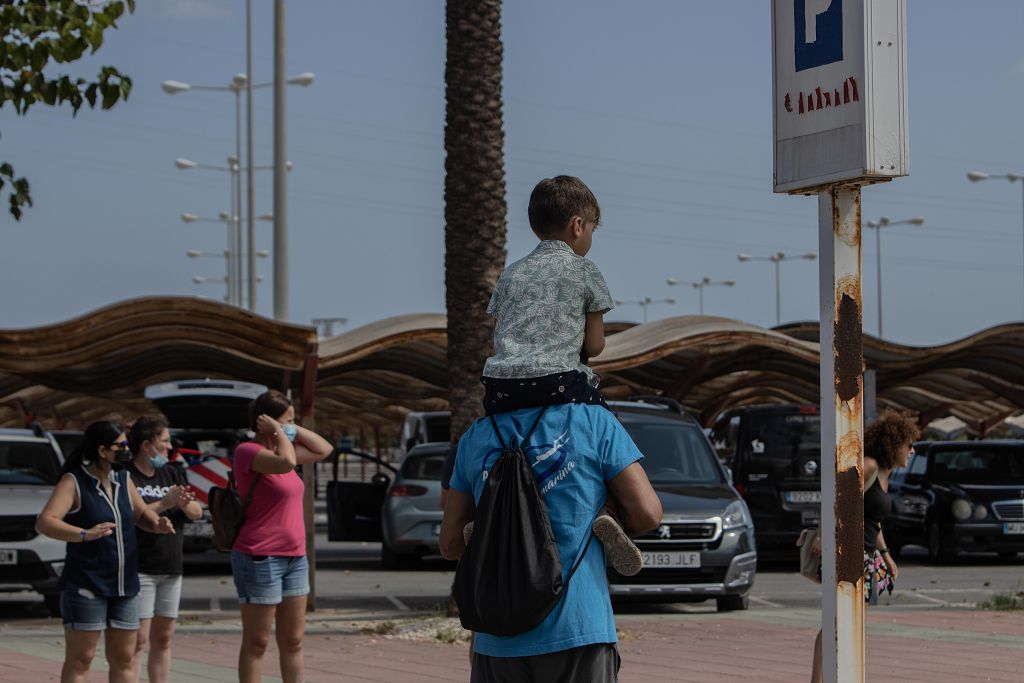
(194, 253)
(185, 164)
(189, 217)
(174, 87)
(198, 279)
(728, 283)
(916, 220)
(238, 81)
(975, 176)
(743, 257)
(303, 79)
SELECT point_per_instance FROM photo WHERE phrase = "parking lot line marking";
(398, 603)
(762, 601)
(918, 594)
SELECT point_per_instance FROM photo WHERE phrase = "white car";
(30, 463)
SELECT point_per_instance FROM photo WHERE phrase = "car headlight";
(961, 509)
(980, 512)
(736, 515)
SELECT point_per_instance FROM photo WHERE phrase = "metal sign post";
(839, 117)
(842, 434)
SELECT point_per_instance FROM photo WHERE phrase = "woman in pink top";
(268, 560)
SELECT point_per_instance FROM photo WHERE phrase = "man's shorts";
(159, 595)
(598, 663)
(268, 579)
(83, 610)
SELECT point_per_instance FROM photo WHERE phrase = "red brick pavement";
(933, 646)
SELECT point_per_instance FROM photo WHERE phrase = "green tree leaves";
(37, 34)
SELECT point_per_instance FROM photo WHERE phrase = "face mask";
(157, 461)
(122, 457)
(290, 431)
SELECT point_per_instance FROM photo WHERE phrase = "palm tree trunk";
(474, 195)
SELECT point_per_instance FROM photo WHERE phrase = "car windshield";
(28, 464)
(425, 466)
(783, 438)
(438, 428)
(674, 452)
(981, 466)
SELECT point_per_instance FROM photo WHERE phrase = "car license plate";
(436, 529)
(671, 559)
(8, 557)
(803, 496)
(1013, 528)
(204, 530)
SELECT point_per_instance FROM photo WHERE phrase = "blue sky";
(662, 107)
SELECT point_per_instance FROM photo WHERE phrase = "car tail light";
(741, 489)
(808, 410)
(407, 490)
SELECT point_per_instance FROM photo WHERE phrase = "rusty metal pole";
(842, 436)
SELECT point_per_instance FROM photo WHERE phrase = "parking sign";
(839, 77)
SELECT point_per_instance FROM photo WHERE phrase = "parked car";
(959, 496)
(705, 546)
(67, 439)
(774, 452)
(411, 514)
(431, 427)
(208, 418)
(30, 463)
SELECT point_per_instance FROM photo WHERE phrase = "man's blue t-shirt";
(574, 451)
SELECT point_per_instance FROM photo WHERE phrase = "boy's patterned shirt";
(540, 305)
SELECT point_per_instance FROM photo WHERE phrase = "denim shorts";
(84, 611)
(268, 579)
(159, 595)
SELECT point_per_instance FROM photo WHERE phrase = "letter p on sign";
(818, 30)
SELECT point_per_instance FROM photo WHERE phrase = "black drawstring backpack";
(510, 575)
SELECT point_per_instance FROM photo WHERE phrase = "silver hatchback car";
(411, 515)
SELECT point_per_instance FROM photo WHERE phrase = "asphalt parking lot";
(349, 576)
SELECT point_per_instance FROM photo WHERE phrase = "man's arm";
(458, 512)
(638, 505)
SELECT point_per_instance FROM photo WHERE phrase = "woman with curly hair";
(888, 445)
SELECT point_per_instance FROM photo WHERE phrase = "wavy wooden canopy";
(369, 377)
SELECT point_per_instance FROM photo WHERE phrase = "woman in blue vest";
(95, 509)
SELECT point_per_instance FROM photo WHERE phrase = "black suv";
(704, 547)
(774, 452)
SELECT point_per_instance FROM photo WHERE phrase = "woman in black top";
(165, 490)
(95, 509)
(888, 445)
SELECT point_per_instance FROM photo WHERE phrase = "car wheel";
(52, 601)
(937, 549)
(732, 603)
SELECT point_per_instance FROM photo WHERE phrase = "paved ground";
(904, 643)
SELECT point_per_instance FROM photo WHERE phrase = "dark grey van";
(774, 452)
(704, 548)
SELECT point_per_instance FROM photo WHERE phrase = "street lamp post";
(978, 176)
(877, 227)
(700, 285)
(777, 258)
(644, 303)
(238, 83)
(233, 258)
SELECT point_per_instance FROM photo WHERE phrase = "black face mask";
(122, 457)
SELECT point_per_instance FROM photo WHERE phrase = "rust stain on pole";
(848, 348)
(849, 538)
